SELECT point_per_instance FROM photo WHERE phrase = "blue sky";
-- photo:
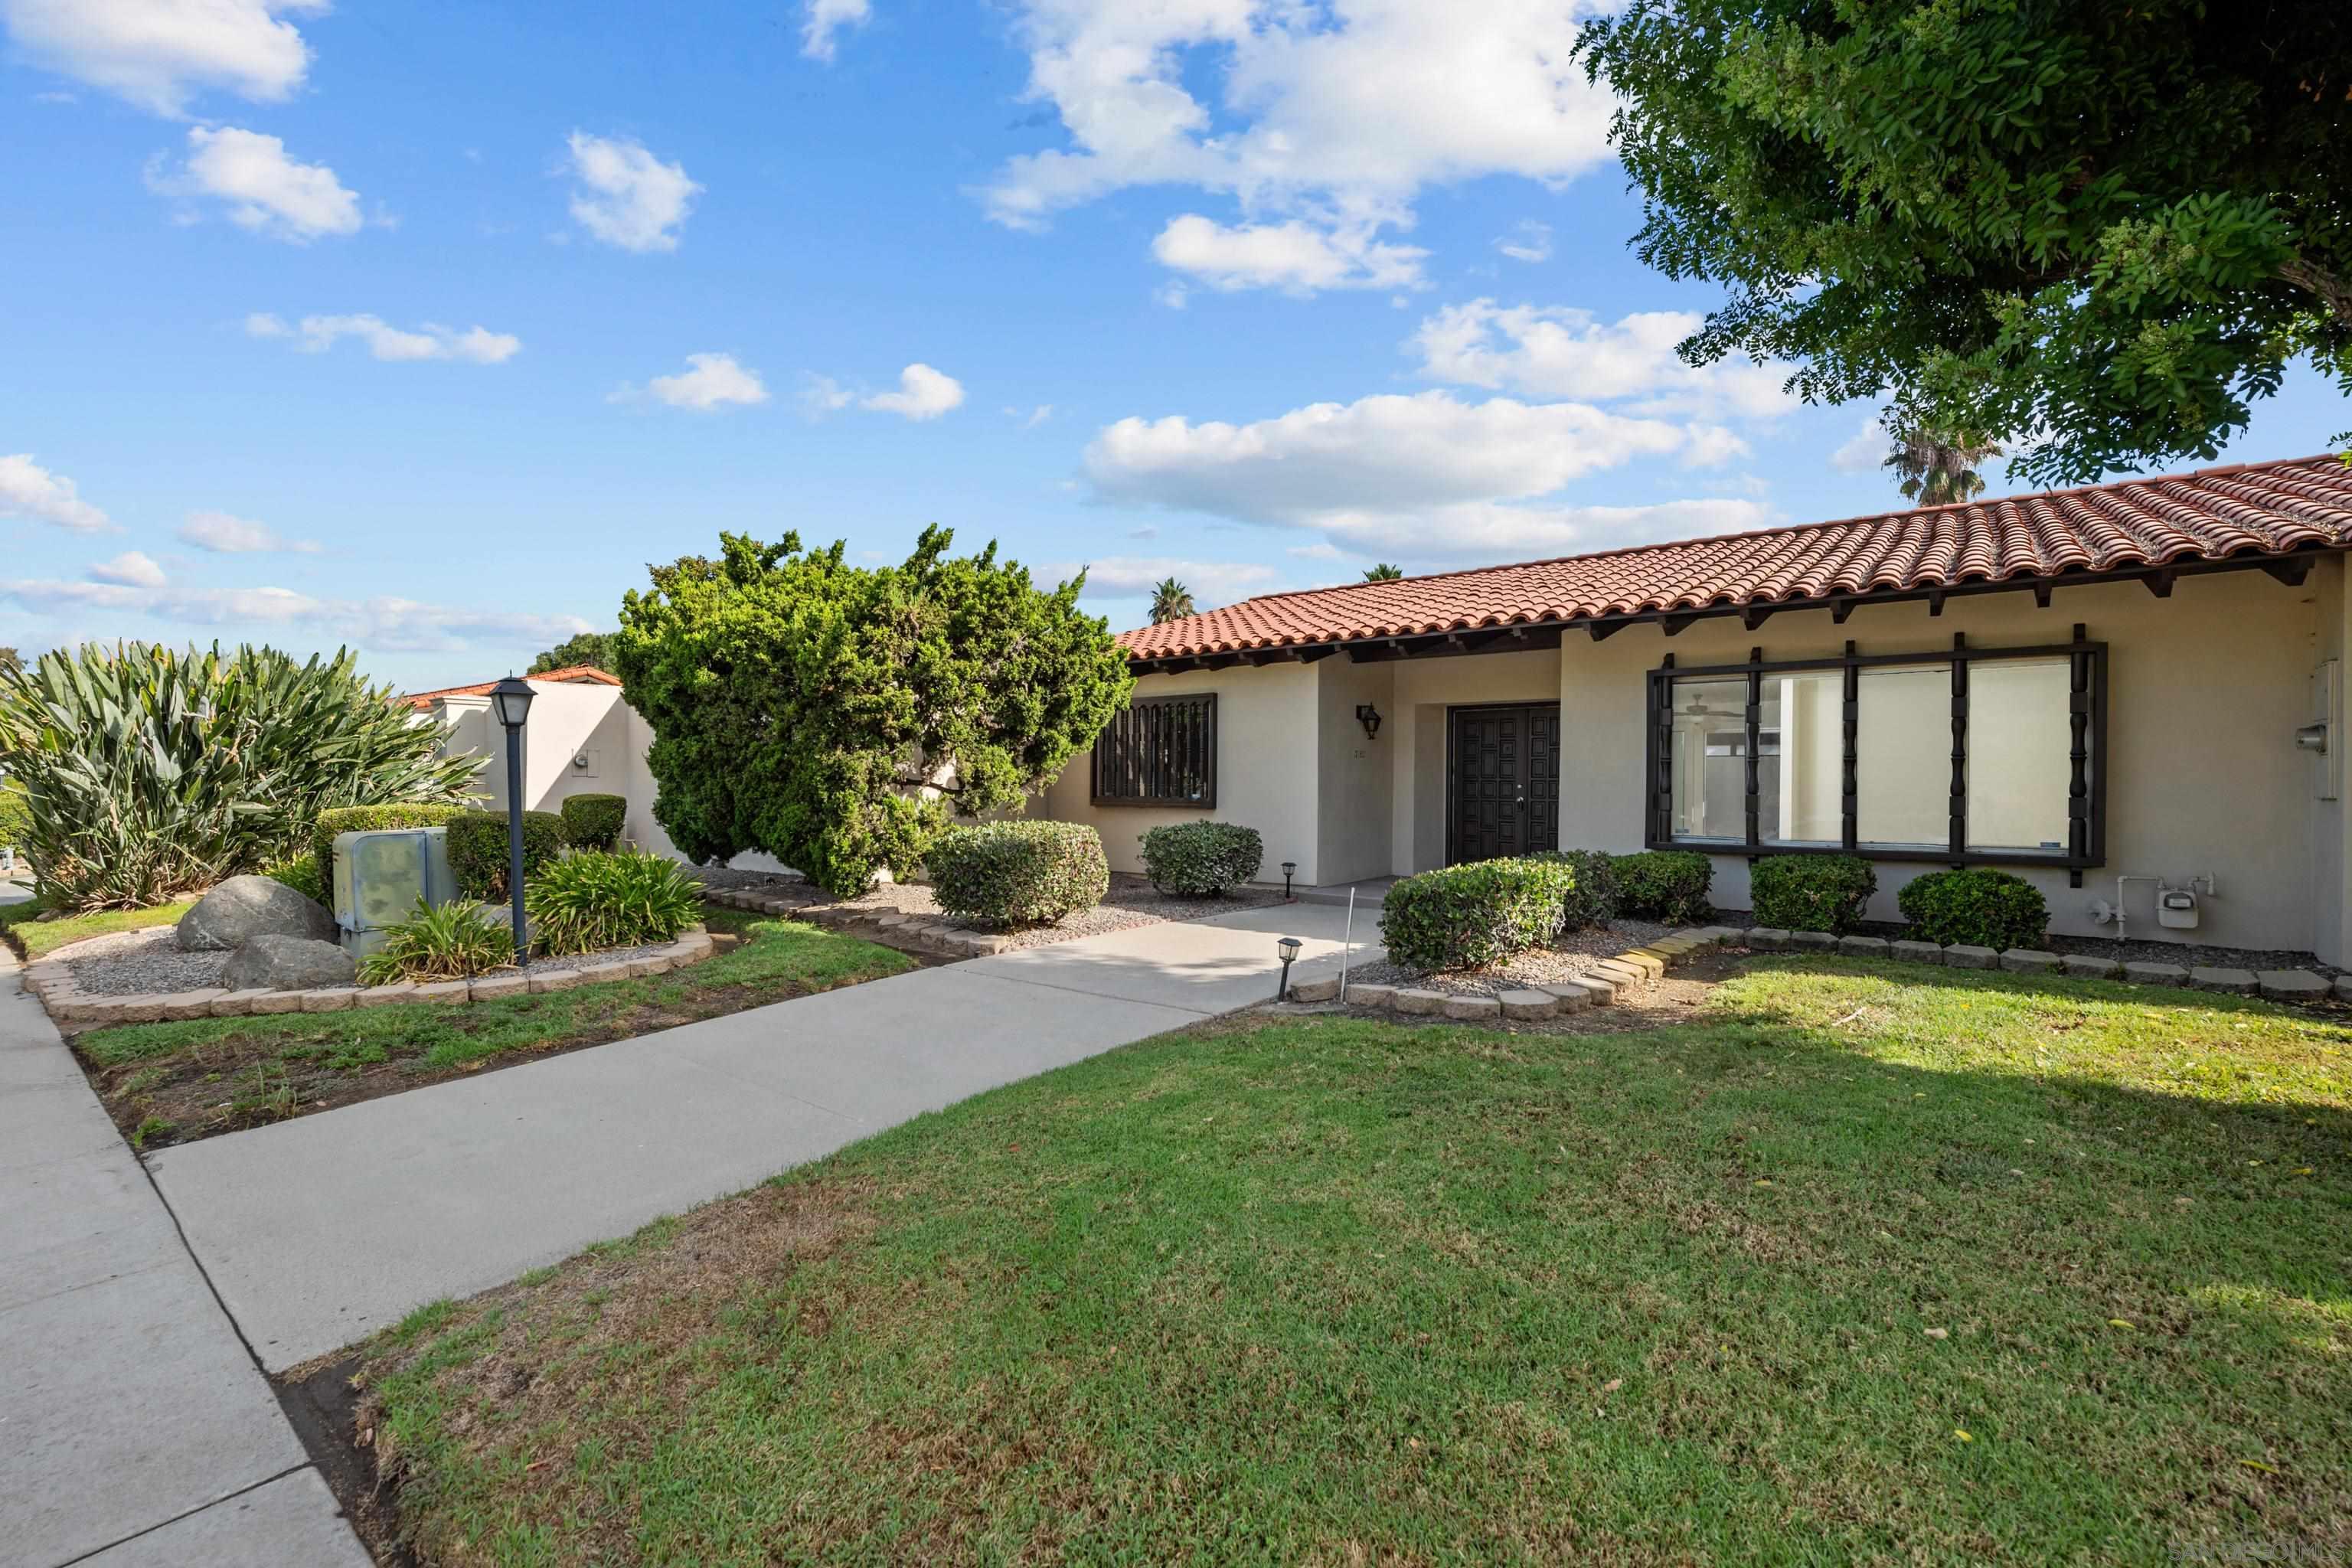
(424, 327)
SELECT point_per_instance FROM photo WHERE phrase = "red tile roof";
(570, 674)
(2242, 509)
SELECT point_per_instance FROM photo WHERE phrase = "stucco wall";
(1355, 781)
(568, 720)
(2206, 689)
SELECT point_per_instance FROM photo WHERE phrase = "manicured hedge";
(593, 821)
(478, 850)
(598, 900)
(1018, 873)
(1477, 915)
(370, 819)
(1201, 857)
(1668, 885)
(1979, 907)
(1811, 892)
(1594, 900)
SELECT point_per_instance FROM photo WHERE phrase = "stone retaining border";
(936, 935)
(1639, 966)
(76, 1010)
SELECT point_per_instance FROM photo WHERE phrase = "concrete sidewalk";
(320, 1231)
(134, 1427)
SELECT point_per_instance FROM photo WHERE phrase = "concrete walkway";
(320, 1231)
(134, 1427)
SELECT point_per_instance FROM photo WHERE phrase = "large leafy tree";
(837, 717)
(594, 648)
(2110, 227)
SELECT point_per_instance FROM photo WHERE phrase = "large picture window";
(1973, 757)
(1162, 751)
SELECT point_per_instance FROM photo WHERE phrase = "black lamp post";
(1288, 947)
(1289, 869)
(510, 701)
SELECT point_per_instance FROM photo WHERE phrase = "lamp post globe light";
(511, 701)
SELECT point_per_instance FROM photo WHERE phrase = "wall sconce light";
(1289, 868)
(1370, 718)
(1288, 947)
(2311, 737)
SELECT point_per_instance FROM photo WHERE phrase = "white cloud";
(131, 569)
(222, 534)
(1712, 446)
(1527, 241)
(475, 345)
(826, 17)
(820, 396)
(1430, 475)
(1560, 352)
(714, 383)
(263, 189)
(1129, 576)
(160, 53)
(1294, 255)
(28, 489)
(923, 394)
(625, 195)
(1865, 449)
(384, 623)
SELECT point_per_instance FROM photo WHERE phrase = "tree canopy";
(836, 716)
(2105, 228)
(585, 647)
(1170, 601)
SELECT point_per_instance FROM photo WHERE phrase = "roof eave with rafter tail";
(2240, 514)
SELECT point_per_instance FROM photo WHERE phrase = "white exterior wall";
(569, 720)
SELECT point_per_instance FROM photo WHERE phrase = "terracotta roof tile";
(2263, 509)
(570, 674)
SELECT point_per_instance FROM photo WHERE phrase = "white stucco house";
(2139, 680)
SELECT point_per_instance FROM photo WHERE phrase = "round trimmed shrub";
(1018, 873)
(593, 821)
(1477, 915)
(598, 900)
(1811, 892)
(478, 850)
(1669, 885)
(1594, 900)
(1978, 907)
(1202, 859)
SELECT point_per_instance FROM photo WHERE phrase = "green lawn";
(173, 1082)
(24, 927)
(1872, 1263)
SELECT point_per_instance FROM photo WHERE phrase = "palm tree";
(1170, 601)
(1383, 573)
(1940, 467)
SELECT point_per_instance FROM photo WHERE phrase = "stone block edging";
(935, 934)
(2280, 984)
(76, 1010)
(1634, 967)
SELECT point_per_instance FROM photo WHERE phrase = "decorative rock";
(1572, 996)
(2344, 988)
(237, 1003)
(1916, 951)
(2239, 981)
(490, 987)
(1413, 1001)
(1370, 995)
(2155, 974)
(443, 991)
(243, 907)
(190, 1004)
(329, 998)
(1475, 1009)
(1323, 989)
(2292, 984)
(1767, 939)
(2028, 960)
(275, 963)
(1863, 946)
(385, 995)
(2090, 966)
(1963, 955)
(1529, 1004)
(1816, 941)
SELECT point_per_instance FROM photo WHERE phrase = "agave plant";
(149, 771)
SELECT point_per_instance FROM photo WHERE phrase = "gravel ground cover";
(1131, 901)
(1571, 953)
(137, 963)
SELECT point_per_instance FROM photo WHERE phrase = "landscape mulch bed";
(1569, 954)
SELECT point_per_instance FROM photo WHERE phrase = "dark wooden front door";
(1505, 788)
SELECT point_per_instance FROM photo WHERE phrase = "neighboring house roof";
(570, 674)
(2149, 528)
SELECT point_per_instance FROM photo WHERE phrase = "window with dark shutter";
(1162, 751)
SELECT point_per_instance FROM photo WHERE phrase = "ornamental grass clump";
(593, 901)
(1978, 907)
(1811, 892)
(1015, 874)
(1202, 859)
(1475, 916)
(454, 942)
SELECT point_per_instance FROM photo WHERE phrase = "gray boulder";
(244, 908)
(270, 962)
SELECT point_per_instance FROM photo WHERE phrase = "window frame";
(1209, 764)
(2087, 809)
